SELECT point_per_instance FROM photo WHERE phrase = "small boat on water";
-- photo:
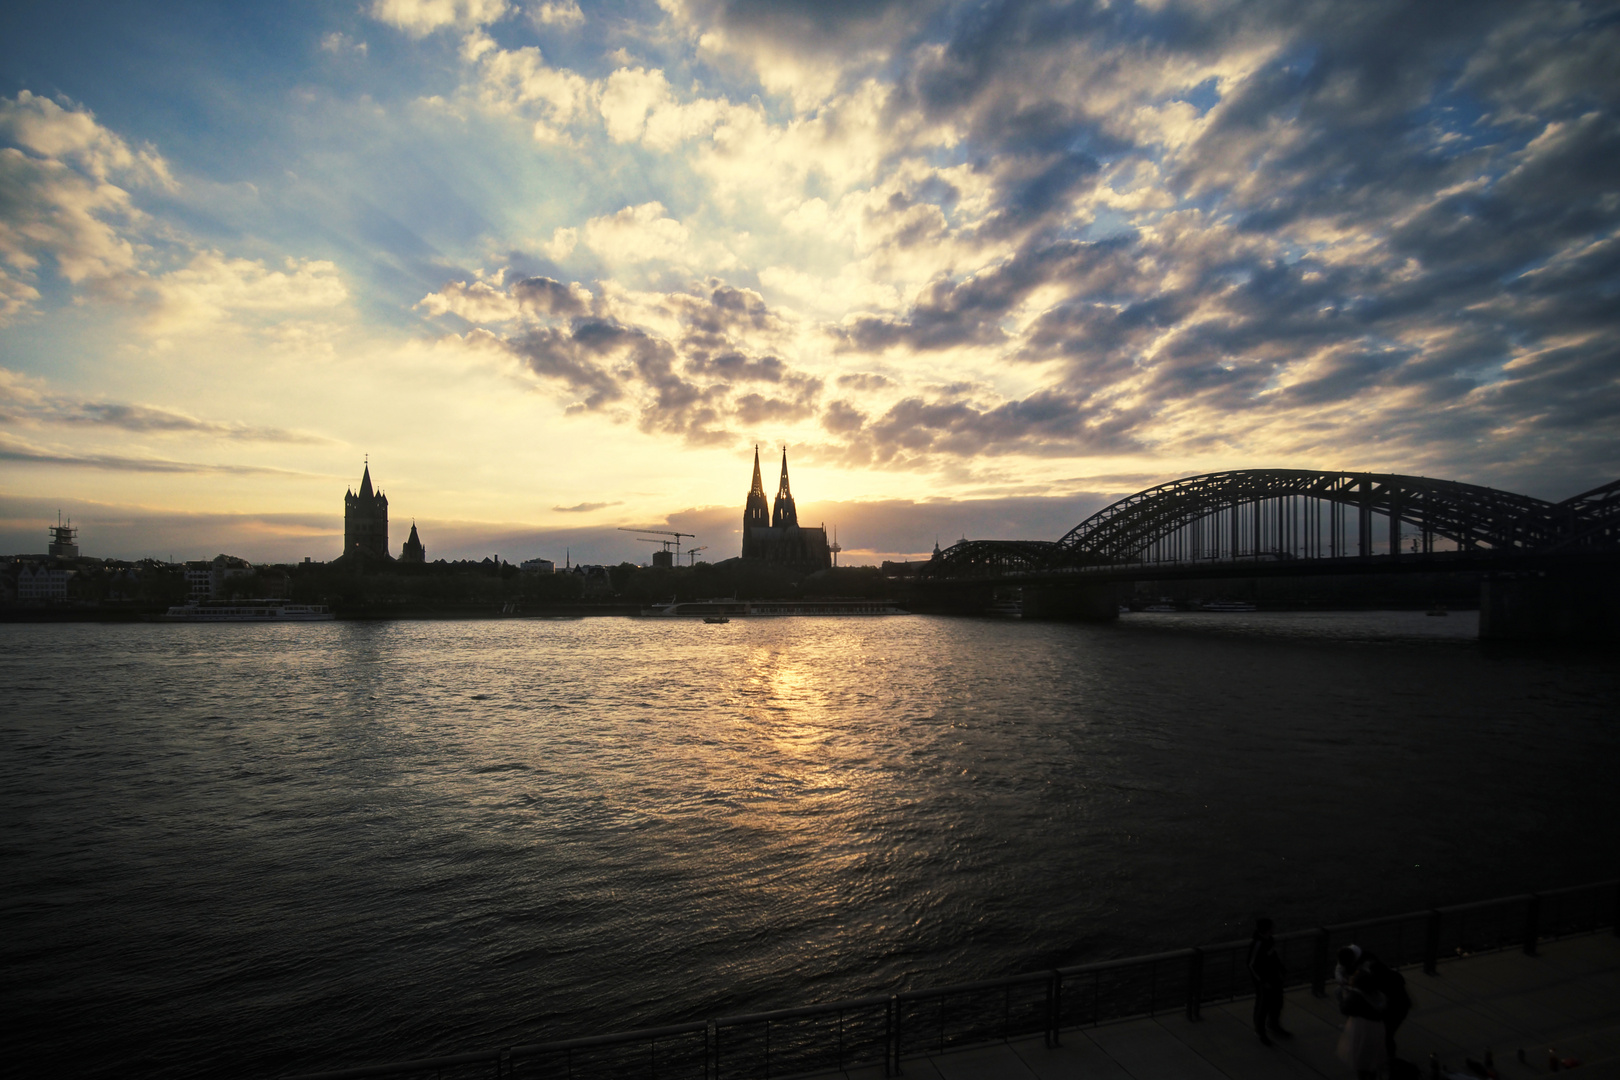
(730, 608)
(248, 611)
(1229, 605)
(715, 620)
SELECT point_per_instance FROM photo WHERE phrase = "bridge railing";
(888, 1029)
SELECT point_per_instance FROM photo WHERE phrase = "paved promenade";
(1568, 998)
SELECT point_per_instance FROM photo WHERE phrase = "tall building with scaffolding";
(773, 533)
(64, 539)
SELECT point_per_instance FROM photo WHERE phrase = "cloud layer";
(960, 249)
(1379, 239)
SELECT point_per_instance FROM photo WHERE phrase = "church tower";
(413, 552)
(784, 515)
(365, 521)
(756, 514)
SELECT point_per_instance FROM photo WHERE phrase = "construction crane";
(691, 554)
(662, 532)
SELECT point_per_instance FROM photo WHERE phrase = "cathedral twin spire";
(772, 533)
(783, 513)
(757, 512)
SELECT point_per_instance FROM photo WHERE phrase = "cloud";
(519, 81)
(29, 400)
(584, 507)
(214, 286)
(637, 234)
(865, 381)
(565, 14)
(697, 363)
(62, 208)
(341, 44)
(47, 130)
(422, 17)
(64, 212)
(926, 239)
(16, 450)
(841, 418)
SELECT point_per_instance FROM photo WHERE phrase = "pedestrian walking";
(1266, 969)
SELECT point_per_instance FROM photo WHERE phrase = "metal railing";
(888, 1029)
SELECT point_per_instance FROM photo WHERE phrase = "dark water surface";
(277, 847)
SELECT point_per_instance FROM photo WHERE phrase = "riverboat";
(1228, 605)
(729, 609)
(248, 611)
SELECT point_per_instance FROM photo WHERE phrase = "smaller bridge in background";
(1279, 523)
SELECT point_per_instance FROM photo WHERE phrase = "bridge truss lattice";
(1291, 514)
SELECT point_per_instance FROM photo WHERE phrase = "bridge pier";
(1550, 607)
(1088, 602)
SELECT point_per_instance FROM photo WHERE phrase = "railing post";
(894, 1002)
(1054, 1009)
(1195, 982)
(1319, 963)
(1431, 946)
(888, 1033)
(1532, 924)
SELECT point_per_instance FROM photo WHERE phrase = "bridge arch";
(1279, 514)
(1262, 513)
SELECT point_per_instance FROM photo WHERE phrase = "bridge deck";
(1568, 998)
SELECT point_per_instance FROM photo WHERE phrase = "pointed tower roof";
(759, 485)
(782, 491)
(365, 483)
(413, 539)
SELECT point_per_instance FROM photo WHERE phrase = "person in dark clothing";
(1266, 969)
(1391, 984)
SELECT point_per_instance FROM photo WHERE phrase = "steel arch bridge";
(1284, 515)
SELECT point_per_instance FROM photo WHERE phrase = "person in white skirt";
(1362, 1045)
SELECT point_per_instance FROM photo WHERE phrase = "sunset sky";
(557, 267)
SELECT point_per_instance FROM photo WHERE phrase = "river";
(277, 847)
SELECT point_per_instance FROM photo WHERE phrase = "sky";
(559, 267)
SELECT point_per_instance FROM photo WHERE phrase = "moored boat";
(727, 609)
(248, 611)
